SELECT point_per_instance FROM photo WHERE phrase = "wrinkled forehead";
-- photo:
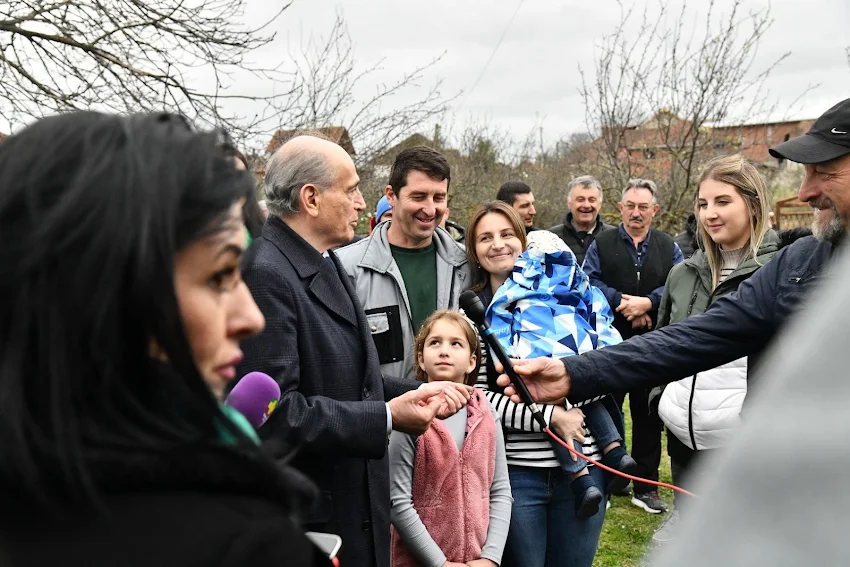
(638, 195)
(585, 191)
(841, 162)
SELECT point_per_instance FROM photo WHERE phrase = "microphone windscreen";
(472, 306)
(255, 396)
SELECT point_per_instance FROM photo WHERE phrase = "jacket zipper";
(638, 266)
(691, 304)
(691, 413)
(452, 289)
(694, 379)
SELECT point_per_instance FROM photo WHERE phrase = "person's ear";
(421, 358)
(620, 207)
(655, 208)
(309, 200)
(390, 195)
(472, 360)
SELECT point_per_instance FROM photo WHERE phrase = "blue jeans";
(601, 426)
(544, 530)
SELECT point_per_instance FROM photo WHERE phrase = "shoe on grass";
(650, 502)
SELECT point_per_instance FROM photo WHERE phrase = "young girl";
(449, 487)
(702, 411)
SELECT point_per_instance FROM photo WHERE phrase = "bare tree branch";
(331, 94)
(133, 55)
(688, 75)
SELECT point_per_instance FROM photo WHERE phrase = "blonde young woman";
(702, 411)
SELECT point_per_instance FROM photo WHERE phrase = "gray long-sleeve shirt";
(406, 520)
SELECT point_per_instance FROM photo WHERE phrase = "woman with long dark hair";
(121, 312)
(252, 211)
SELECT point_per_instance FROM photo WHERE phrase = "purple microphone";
(255, 396)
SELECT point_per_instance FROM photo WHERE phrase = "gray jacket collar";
(378, 256)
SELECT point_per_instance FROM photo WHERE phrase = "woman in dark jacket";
(121, 313)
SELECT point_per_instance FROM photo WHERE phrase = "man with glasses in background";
(630, 266)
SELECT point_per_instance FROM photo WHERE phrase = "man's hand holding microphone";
(546, 378)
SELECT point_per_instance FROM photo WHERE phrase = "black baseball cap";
(828, 138)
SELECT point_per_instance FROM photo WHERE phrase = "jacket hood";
(790, 236)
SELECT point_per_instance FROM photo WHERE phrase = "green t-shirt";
(418, 267)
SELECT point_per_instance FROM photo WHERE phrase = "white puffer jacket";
(703, 410)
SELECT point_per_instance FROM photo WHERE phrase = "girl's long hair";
(93, 209)
(741, 174)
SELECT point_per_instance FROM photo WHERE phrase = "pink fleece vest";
(451, 488)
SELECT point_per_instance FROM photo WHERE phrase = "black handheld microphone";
(474, 309)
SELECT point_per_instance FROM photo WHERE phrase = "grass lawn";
(628, 529)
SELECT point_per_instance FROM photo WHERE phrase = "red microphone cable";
(614, 471)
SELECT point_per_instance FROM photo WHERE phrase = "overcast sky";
(533, 77)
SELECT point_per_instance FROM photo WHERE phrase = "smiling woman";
(495, 237)
(121, 314)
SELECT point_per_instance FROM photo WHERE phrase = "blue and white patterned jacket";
(548, 308)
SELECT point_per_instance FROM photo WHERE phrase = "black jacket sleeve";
(734, 326)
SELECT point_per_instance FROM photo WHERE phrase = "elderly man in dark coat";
(333, 410)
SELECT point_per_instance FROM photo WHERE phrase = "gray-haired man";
(582, 223)
(630, 266)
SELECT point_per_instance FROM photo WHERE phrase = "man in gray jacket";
(408, 267)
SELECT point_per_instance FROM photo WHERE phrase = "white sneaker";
(649, 501)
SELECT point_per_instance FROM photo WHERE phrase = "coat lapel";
(324, 279)
(329, 289)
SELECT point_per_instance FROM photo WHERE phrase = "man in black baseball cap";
(825, 151)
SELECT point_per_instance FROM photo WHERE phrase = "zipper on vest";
(691, 413)
(637, 269)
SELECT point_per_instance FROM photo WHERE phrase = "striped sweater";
(525, 443)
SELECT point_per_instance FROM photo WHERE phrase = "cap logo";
(834, 131)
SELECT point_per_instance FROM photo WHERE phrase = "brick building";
(649, 145)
